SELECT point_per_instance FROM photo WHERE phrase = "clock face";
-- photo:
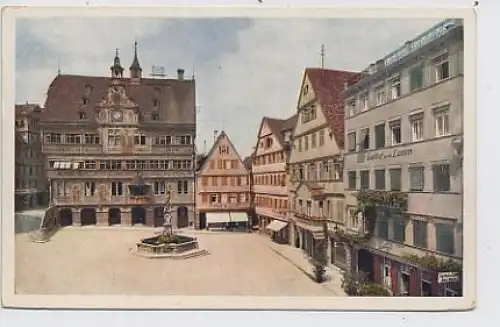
(117, 115)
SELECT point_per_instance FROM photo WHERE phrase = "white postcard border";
(11, 299)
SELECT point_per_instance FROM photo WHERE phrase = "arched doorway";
(65, 216)
(114, 216)
(182, 217)
(365, 264)
(138, 215)
(88, 216)
(158, 216)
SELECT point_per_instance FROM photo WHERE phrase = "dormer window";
(82, 115)
(85, 101)
(269, 142)
(155, 116)
(88, 89)
(156, 103)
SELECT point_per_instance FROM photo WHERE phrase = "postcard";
(252, 158)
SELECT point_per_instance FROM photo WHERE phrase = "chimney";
(180, 74)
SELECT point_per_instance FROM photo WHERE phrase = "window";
(73, 138)
(364, 177)
(140, 139)
(416, 78)
(398, 229)
(442, 120)
(445, 238)
(223, 149)
(441, 67)
(420, 233)
(417, 127)
(213, 198)
(81, 115)
(114, 137)
(53, 138)
(155, 116)
(363, 103)
(416, 178)
(321, 137)
(89, 164)
(441, 174)
(313, 140)
(92, 139)
(89, 188)
(182, 187)
(337, 169)
(354, 218)
(306, 142)
(379, 136)
(351, 107)
(299, 144)
(351, 141)
(382, 226)
(395, 127)
(365, 139)
(351, 180)
(380, 94)
(116, 188)
(395, 87)
(395, 176)
(159, 187)
(380, 179)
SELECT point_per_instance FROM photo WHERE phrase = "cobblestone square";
(99, 261)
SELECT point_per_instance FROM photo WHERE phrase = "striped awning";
(218, 217)
(238, 216)
(276, 225)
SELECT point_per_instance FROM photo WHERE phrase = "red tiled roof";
(328, 86)
(66, 93)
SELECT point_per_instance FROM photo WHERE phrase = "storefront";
(405, 278)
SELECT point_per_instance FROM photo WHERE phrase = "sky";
(244, 68)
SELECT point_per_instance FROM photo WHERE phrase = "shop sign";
(448, 277)
(381, 155)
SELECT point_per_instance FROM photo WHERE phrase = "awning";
(276, 225)
(218, 217)
(239, 216)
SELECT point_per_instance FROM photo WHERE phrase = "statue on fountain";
(167, 215)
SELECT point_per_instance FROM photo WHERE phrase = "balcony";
(308, 217)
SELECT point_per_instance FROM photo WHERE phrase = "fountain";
(168, 244)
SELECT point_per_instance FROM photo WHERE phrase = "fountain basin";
(172, 246)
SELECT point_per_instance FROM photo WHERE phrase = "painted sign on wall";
(389, 154)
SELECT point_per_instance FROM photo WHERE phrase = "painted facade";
(223, 183)
(115, 147)
(404, 133)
